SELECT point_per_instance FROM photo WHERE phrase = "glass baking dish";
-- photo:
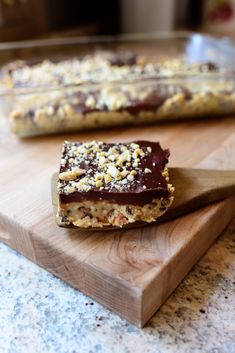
(136, 79)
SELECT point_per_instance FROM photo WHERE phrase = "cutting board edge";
(218, 228)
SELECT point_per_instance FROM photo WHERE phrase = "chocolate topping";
(155, 96)
(147, 184)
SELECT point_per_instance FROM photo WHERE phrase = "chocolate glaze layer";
(156, 97)
(156, 184)
(154, 100)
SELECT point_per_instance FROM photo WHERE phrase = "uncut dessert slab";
(132, 271)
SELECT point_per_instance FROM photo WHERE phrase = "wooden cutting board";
(131, 272)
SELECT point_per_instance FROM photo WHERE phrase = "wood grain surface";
(133, 271)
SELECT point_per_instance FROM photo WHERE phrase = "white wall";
(147, 15)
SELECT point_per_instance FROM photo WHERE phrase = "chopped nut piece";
(69, 189)
(82, 185)
(71, 174)
(98, 176)
(147, 170)
(134, 145)
(171, 188)
(99, 183)
(113, 171)
(124, 173)
(165, 173)
(126, 155)
(112, 157)
(102, 160)
(130, 177)
(107, 178)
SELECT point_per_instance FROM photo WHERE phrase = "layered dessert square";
(113, 184)
(104, 89)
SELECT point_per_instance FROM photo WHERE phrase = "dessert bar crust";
(101, 214)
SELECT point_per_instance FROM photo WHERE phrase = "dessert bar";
(109, 89)
(113, 184)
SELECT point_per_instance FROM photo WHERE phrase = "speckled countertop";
(39, 313)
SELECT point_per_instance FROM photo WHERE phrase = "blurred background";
(29, 19)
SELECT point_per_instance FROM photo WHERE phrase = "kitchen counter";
(40, 313)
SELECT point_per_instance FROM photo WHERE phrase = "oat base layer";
(101, 213)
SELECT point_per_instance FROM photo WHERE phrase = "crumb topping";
(101, 166)
(102, 66)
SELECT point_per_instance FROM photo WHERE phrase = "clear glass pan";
(186, 93)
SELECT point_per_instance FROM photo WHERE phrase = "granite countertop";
(40, 313)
